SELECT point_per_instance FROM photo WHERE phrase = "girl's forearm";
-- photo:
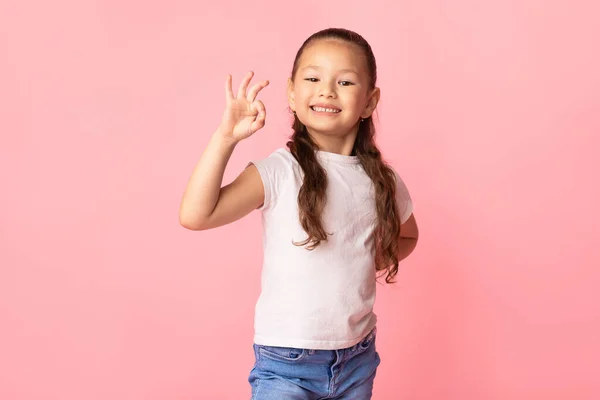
(203, 188)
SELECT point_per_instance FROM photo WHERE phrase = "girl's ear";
(290, 94)
(372, 102)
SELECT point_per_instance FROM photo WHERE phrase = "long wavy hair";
(312, 195)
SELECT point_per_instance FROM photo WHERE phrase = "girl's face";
(330, 91)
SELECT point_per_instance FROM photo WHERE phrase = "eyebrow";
(341, 70)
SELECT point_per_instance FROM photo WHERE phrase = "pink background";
(490, 111)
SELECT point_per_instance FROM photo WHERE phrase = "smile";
(325, 109)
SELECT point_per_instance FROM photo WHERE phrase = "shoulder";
(403, 197)
(277, 164)
(279, 157)
(274, 171)
(399, 181)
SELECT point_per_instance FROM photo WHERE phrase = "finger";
(259, 106)
(228, 88)
(244, 85)
(259, 122)
(255, 90)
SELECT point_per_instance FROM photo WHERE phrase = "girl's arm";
(409, 235)
(205, 204)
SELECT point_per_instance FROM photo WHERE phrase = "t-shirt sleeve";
(403, 199)
(271, 170)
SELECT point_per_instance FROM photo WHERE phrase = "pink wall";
(490, 110)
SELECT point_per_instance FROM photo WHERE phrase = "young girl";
(334, 215)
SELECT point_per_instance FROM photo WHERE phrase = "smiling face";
(331, 89)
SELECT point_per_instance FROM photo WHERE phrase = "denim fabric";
(284, 373)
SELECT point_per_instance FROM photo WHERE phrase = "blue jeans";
(284, 373)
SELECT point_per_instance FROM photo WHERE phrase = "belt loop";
(373, 333)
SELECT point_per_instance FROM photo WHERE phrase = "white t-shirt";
(318, 299)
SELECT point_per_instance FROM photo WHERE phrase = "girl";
(334, 216)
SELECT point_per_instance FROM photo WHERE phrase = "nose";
(327, 89)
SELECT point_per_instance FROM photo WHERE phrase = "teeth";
(322, 109)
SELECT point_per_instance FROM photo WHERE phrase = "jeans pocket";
(287, 354)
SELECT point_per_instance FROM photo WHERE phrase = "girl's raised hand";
(243, 114)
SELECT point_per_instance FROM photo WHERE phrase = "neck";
(333, 143)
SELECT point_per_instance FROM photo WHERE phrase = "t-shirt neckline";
(338, 158)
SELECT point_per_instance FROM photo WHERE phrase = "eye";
(346, 83)
(311, 79)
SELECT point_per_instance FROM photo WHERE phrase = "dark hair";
(312, 195)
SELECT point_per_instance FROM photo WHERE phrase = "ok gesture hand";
(243, 115)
